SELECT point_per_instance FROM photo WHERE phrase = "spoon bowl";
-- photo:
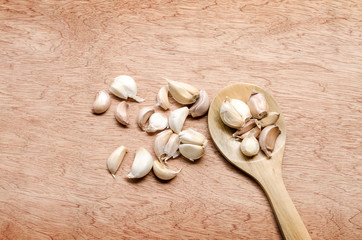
(266, 172)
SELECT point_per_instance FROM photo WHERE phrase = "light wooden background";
(55, 55)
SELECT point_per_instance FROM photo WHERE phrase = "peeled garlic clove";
(201, 106)
(230, 115)
(270, 119)
(115, 160)
(254, 132)
(125, 87)
(191, 151)
(252, 123)
(160, 142)
(249, 146)
(102, 102)
(177, 119)
(171, 147)
(162, 172)
(157, 122)
(258, 105)
(182, 92)
(142, 164)
(190, 136)
(143, 116)
(267, 139)
(162, 98)
(121, 113)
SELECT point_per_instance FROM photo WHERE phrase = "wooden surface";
(54, 57)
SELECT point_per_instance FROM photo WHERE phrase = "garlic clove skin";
(230, 116)
(143, 115)
(249, 146)
(190, 136)
(191, 151)
(125, 87)
(162, 172)
(101, 102)
(258, 105)
(157, 122)
(162, 98)
(177, 119)
(270, 119)
(183, 93)
(201, 106)
(160, 142)
(142, 164)
(267, 139)
(171, 147)
(121, 113)
(247, 127)
(115, 159)
(254, 132)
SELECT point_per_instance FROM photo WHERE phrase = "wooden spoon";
(266, 172)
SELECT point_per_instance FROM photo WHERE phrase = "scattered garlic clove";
(270, 119)
(254, 132)
(267, 139)
(190, 136)
(162, 172)
(121, 113)
(101, 102)
(191, 151)
(160, 142)
(234, 112)
(201, 106)
(162, 98)
(143, 116)
(182, 92)
(171, 147)
(177, 119)
(247, 127)
(249, 146)
(258, 105)
(125, 87)
(157, 122)
(142, 164)
(115, 160)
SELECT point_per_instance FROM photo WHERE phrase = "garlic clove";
(249, 146)
(177, 119)
(242, 108)
(115, 160)
(171, 147)
(230, 116)
(101, 102)
(201, 106)
(190, 136)
(162, 98)
(254, 132)
(125, 87)
(162, 172)
(142, 164)
(182, 92)
(270, 119)
(258, 105)
(267, 139)
(121, 113)
(191, 151)
(143, 116)
(157, 122)
(252, 123)
(160, 142)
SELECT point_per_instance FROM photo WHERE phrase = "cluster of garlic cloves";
(192, 144)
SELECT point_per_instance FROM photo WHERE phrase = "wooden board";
(54, 57)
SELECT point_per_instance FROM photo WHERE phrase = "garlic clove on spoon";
(142, 164)
(101, 102)
(258, 105)
(270, 119)
(234, 112)
(249, 146)
(267, 139)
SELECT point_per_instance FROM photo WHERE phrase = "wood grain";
(55, 56)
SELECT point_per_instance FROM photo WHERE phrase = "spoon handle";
(289, 221)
